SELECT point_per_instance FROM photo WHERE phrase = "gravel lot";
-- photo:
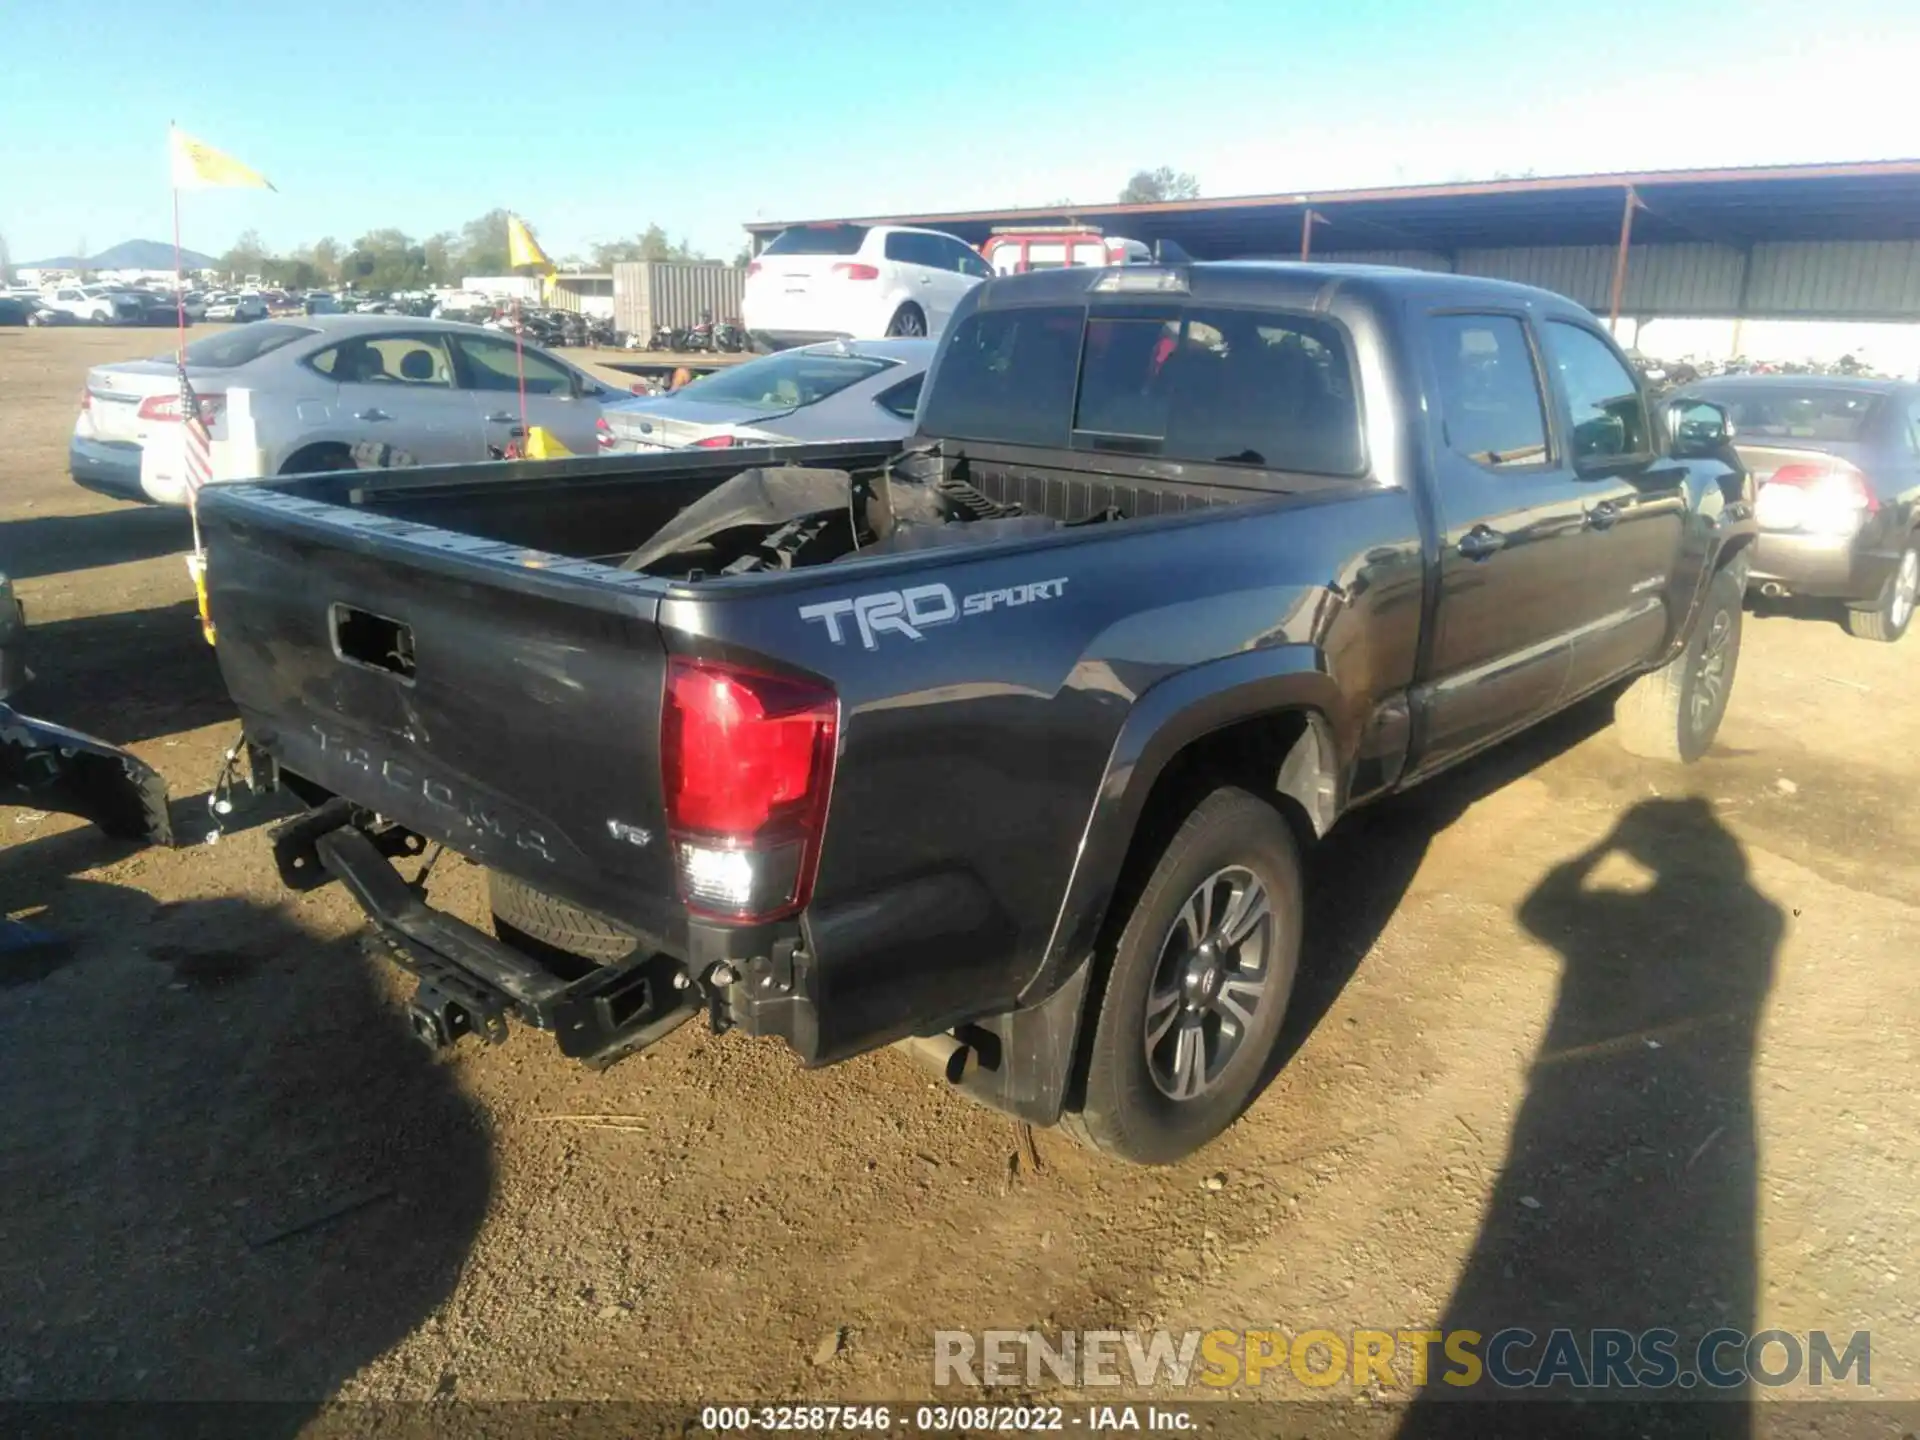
(1581, 1040)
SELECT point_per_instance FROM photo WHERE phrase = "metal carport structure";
(1802, 242)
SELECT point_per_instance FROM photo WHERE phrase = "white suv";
(856, 282)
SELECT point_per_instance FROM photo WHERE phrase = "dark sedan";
(1837, 463)
(29, 310)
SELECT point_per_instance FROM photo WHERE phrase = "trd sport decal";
(920, 607)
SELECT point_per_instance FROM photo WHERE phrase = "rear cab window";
(785, 381)
(232, 348)
(1218, 385)
(1824, 416)
(818, 240)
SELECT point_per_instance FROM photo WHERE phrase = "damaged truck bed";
(1002, 741)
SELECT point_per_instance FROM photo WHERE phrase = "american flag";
(197, 447)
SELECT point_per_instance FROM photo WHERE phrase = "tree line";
(389, 259)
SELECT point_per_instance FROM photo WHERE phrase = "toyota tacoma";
(1003, 741)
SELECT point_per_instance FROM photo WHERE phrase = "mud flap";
(50, 767)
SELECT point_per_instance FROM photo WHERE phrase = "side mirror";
(1697, 429)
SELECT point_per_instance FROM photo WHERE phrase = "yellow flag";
(522, 248)
(198, 166)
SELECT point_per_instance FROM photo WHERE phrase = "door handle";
(1602, 516)
(371, 414)
(1480, 542)
(501, 417)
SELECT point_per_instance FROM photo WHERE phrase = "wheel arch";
(298, 460)
(1264, 720)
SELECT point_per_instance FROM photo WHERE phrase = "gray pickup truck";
(1005, 740)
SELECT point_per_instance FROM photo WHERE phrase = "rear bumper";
(470, 982)
(106, 467)
(1834, 567)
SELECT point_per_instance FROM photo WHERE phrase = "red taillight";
(1826, 497)
(753, 268)
(603, 433)
(166, 407)
(850, 270)
(746, 763)
(1839, 479)
(715, 442)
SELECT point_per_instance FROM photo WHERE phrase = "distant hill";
(127, 255)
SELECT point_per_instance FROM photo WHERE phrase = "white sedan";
(320, 390)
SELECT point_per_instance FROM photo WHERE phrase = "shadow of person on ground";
(1627, 1199)
(38, 545)
(230, 1174)
(130, 676)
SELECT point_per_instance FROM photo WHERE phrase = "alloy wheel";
(1214, 974)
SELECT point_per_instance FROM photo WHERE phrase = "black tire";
(908, 321)
(1892, 610)
(556, 923)
(317, 458)
(1674, 712)
(1127, 1110)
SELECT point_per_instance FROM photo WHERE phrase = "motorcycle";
(701, 335)
(730, 336)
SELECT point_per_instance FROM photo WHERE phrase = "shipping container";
(651, 293)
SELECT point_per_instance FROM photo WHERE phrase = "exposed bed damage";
(49, 767)
(785, 517)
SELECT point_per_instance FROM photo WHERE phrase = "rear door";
(491, 372)
(957, 269)
(398, 388)
(1633, 503)
(1512, 537)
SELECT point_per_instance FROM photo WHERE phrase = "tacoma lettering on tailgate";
(438, 794)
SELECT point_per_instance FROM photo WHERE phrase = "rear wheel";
(1892, 610)
(1674, 712)
(1197, 987)
(908, 320)
(316, 458)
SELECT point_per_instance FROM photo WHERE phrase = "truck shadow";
(230, 1174)
(129, 676)
(59, 544)
(1358, 876)
(1627, 1198)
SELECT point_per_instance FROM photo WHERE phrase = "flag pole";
(180, 358)
(520, 364)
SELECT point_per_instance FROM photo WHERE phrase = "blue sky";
(700, 114)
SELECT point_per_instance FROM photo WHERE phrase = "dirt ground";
(1580, 1040)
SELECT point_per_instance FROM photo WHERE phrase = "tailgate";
(502, 702)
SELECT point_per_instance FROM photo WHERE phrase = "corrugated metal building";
(651, 293)
(1831, 242)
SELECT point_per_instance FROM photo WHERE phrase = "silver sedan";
(309, 392)
(843, 390)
